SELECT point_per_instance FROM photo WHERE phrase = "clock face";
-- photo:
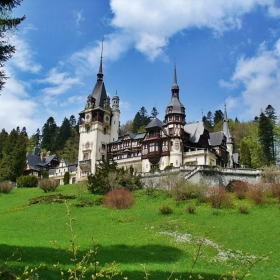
(107, 118)
(87, 116)
(87, 145)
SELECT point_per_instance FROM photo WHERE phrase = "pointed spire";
(175, 87)
(226, 129)
(100, 73)
(225, 113)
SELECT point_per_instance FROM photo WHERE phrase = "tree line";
(62, 140)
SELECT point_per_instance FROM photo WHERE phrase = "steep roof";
(155, 122)
(175, 103)
(99, 92)
(216, 138)
(226, 126)
(195, 130)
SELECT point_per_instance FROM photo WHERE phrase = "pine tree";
(14, 156)
(64, 133)
(140, 120)
(8, 24)
(49, 132)
(245, 154)
(154, 112)
(266, 138)
(218, 116)
(208, 121)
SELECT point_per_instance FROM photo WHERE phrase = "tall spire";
(226, 129)
(100, 73)
(175, 87)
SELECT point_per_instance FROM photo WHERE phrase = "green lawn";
(140, 235)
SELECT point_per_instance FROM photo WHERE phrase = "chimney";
(42, 156)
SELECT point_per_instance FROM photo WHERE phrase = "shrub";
(165, 209)
(183, 190)
(274, 189)
(219, 198)
(119, 199)
(5, 187)
(239, 188)
(30, 181)
(154, 169)
(168, 167)
(66, 178)
(243, 208)
(81, 188)
(45, 174)
(190, 208)
(48, 185)
(256, 193)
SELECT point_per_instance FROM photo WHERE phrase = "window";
(104, 130)
(86, 156)
(88, 130)
(177, 118)
(103, 146)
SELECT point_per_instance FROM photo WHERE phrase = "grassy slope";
(137, 236)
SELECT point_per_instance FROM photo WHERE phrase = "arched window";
(86, 156)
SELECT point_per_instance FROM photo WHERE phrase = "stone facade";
(168, 143)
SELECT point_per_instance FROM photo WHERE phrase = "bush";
(5, 187)
(119, 199)
(243, 208)
(29, 181)
(66, 178)
(190, 208)
(256, 193)
(45, 174)
(183, 190)
(168, 167)
(239, 188)
(48, 185)
(219, 198)
(165, 209)
(274, 189)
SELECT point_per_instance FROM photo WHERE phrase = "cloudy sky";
(224, 50)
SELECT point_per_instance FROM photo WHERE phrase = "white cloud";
(150, 24)
(259, 78)
(114, 46)
(23, 57)
(78, 16)
(60, 80)
(17, 108)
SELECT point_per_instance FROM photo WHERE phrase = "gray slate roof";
(155, 122)
(216, 138)
(195, 130)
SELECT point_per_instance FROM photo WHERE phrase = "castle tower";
(98, 125)
(174, 124)
(115, 119)
(229, 137)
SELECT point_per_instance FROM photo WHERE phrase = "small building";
(37, 163)
(58, 172)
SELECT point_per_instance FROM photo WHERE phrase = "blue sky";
(225, 51)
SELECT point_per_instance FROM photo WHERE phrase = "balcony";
(85, 165)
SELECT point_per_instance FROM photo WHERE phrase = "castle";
(172, 142)
(164, 144)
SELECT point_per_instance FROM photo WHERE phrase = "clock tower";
(174, 124)
(98, 125)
